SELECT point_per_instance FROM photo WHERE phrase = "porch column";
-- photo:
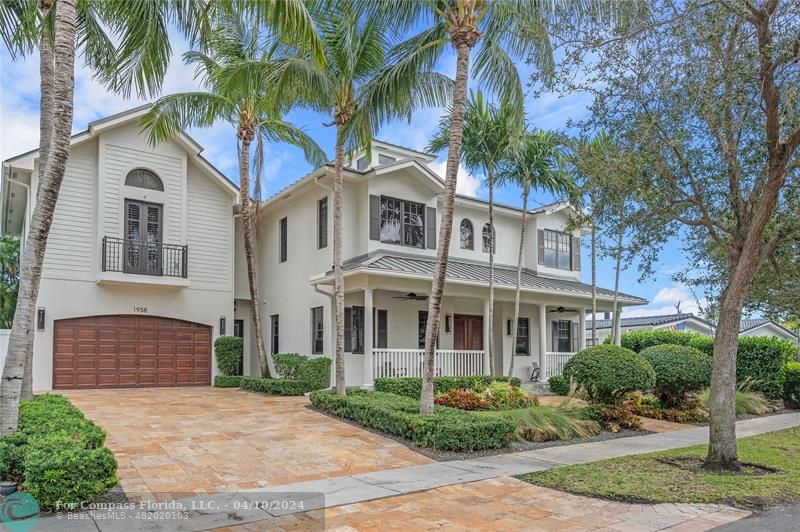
(487, 361)
(368, 342)
(581, 329)
(542, 340)
(618, 326)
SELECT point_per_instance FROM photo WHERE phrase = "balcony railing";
(408, 363)
(144, 258)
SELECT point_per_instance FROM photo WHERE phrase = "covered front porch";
(386, 318)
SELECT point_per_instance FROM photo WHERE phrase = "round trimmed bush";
(679, 370)
(607, 371)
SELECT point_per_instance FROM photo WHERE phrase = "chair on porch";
(535, 372)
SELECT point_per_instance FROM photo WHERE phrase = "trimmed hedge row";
(638, 341)
(58, 454)
(447, 428)
(412, 386)
(274, 386)
(315, 372)
(229, 351)
(227, 381)
(791, 389)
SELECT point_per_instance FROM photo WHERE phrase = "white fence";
(554, 363)
(408, 363)
(4, 334)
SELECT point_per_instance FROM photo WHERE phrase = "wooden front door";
(468, 332)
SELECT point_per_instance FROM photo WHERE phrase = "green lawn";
(650, 478)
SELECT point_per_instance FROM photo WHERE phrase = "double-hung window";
(317, 331)
(557, 250)
(402, 222)
(274, 333)
(284, 240)
(354, 330)
(322, 223)
(523, 346)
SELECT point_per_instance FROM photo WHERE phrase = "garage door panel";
(130, 351)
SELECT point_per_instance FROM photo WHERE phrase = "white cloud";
(672, 294)
(664, 303)
(467, 184)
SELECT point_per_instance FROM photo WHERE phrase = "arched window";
(467, 241)
(489, 239)
(141, 178)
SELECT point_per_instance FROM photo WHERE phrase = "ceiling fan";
(562, 309)
(411, 296)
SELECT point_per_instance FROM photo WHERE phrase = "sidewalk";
(233, 509)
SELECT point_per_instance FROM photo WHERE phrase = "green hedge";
(229, 351)
(57, 453)
(299, 375)
(412, 386)
(638, 341)
(606, 371)
(791, 387)
(559, 384)
(679, 370)
(227, 381)
(447, 428)
(274, 386)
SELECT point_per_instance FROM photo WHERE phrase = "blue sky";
(19, 116)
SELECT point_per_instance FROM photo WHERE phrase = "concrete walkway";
(227, 509)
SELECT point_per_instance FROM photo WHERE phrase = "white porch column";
(368, 342)
(581, 329)
(618, 326)
(487, 361)
(542, 340)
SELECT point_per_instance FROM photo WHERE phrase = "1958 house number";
(140, 310)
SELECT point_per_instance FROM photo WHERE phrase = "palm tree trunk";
(338, 277)
(594, 274)
(446, 225)
(615, 323)
(21, 340)
(46, 84)
(245, 135)
(492, 248)
(515, 323)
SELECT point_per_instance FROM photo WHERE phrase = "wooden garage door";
(130, 351)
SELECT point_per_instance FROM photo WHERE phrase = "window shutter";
(576, 253)
(554, 336)
(374, 217)
(540, 241)
(383, 329)
(430, 220)
(575, 336)
(348, 330)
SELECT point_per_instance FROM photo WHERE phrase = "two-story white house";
(145, 267)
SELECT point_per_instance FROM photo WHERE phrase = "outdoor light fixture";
(222, 325)
(447, 323)
(40, 318)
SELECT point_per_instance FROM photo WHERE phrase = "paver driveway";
(174, 442)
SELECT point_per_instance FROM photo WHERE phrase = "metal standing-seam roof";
(460, 270)
(645, 321)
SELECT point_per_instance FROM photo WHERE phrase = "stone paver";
(176, 442)
(501, 504)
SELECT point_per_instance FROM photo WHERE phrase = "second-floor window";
(142, 178)
(284, 240)
(557, 250)
(489, 240)
(322, 223)
(361, 164)
(467, 240)
(402, 222)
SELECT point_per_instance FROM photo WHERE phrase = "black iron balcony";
(144, 258)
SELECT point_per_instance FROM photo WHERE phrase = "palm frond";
(19, 26)
(171, 114)
(276, 130)
(288, 18)
(496, 72)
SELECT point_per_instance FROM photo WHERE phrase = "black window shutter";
(554, 339)
(383, 329)
(430, 220)
(540, 241)
(374, 217)
(348, 329)
(576, 253)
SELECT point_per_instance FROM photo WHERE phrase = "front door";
(468, 332)
(142, 237)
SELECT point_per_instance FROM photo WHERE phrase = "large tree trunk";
(338, 277)
(614, 324)
(515, 323)
(492, 248)
(248, 236)
(21, 340)
(46, 87)
(445, 227)
(594, 274)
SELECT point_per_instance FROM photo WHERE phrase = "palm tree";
(251, 106)
(489, 132)
(362, 85)
(535, 163)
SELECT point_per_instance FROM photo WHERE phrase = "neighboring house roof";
(646, 321)
(468, 272)
(753, 324)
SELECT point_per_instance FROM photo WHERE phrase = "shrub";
(412, 386)
(607, 371)
(791, 385)
(462, 399)
(227, 381)
(229, 351)
(679, 370)
(763, 359)
(273, 386)
(547, 423)
(638, 341)
(614, 417)
(559, 384)
(446, 428)
(315, 372)
(497, 396)
(748, 403)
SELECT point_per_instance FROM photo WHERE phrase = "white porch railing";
(554, 363)
(408, 363)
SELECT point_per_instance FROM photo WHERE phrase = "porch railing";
(554, 363)
(408, 363)
(144, 258)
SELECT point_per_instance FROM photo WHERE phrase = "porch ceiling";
(470, 273)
